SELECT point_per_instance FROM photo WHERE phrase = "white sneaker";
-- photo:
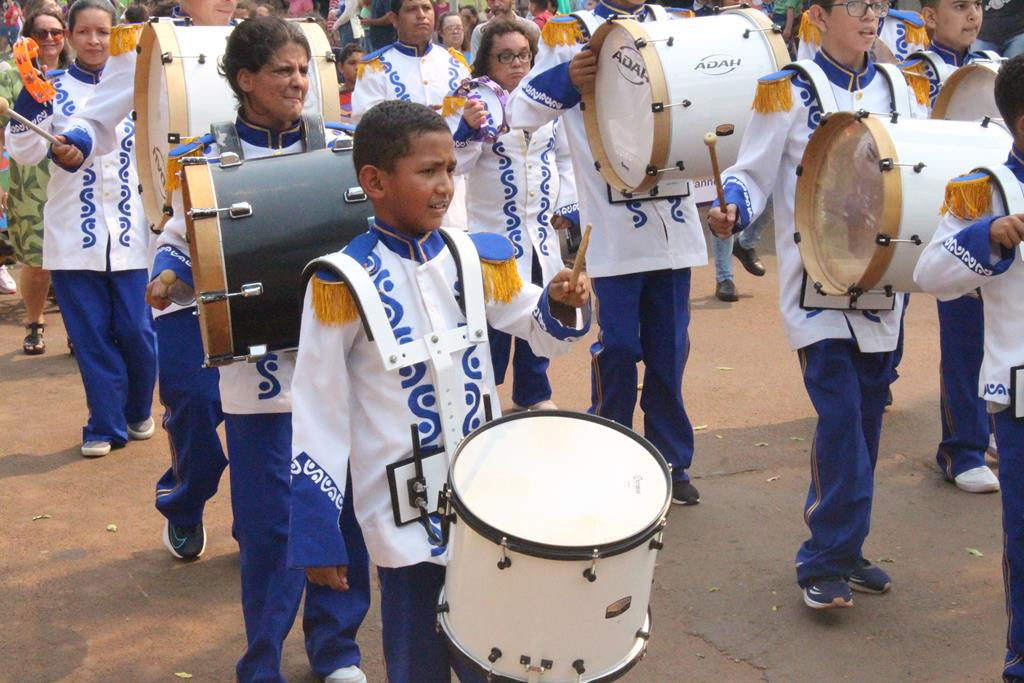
(543, 405)
(977, 480)
(993, 448)
(7, 283)
(350, 674)
(95, 449)
(140, 431)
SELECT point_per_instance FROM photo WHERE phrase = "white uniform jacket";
(400, 72)
(772, 147)
(514, 187)
(245, 388)
(94, 218)
(628, 237)
(350, 411)
(937, 63)
(901, 31)
(961, 258)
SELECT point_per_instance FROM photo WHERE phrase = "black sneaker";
(685, 493)
(726, 291)
(748, 257)
(827, 593)
(867, 578)
(185, 542)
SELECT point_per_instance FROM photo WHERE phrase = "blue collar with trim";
(419, 249)
(80, 73)
(412, 50)
(607, 8)
(258, 136)
(843, 76)
(1015, 162)
(951, 56)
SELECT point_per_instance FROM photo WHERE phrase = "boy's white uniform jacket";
(961, 258)
(629, 237)
(245, 388)
(901, 31)
(514, 187)
(400, 72)
(772, 147)
(349, 411)
(95, 214)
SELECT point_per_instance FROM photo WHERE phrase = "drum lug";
(166, 58)
(354, 195)
(505, 562)
(590, 573)
(217, 361)
(652, 171)
(256, 353)
(641, 43)
(643, 635)
(545, 665)
(885, 240)
(248, 291)
(235, 211)
(579, 668)
(341, 145)
(888, 164)
(229, 160)
(202, 58)
(658, 107)
(985, 121)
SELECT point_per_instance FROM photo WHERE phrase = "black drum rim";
(547, 551)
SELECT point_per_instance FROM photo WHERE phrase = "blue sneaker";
(829, 592)
(867, 578)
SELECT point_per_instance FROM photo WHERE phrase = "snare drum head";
(561, 479)
(969, 93)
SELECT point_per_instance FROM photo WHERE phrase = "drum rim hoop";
(949, 86)
(561, 552)
(460, 654)
(806, 192)
(320, 48)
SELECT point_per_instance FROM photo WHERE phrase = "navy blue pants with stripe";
(848, 389)
(965, 422)
(260, 448)
(645, 317)
(1010, 435)
(111, 327)
(190, 395)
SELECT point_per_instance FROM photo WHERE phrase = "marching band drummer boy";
(845, 355)
(350, 411)
(977, 245)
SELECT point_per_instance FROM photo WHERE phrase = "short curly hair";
(385, 133)
(1009, 91)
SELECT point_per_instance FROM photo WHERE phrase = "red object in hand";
(25, 52)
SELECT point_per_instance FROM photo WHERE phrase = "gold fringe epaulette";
(773, 95)
(921, 85)
(373, 65)
(808, 32)
(557, 33)
(501, 280)
(124, 38)
(459, 56)
(452, 105)
(916, 35)
(333, 303)
(173, 180)
(968, 197)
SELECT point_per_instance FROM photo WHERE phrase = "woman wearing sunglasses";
(96, 244)
(24, 203)
(519, 185)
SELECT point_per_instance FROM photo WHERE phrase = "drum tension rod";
(248, 291)
(651, 170)
(773, 29)
(545, 664)
(641, 43)
(885, 240)
(505, 562)
(888, 164)
(235, 211)
(590, 573)
(658, 107)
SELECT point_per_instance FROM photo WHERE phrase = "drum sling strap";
(226, 135)
(416, 481)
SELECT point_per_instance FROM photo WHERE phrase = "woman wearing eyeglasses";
(519, 185)
(96, 243)
(25, 201)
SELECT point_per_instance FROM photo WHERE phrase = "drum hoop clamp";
(774, 29)
(884, 240)
(167, 57)
(545, 664)
(659, 107)
(590, 573)
(652, 171)
(354, 195)
(505, 562)
(247, 291)
(641, 43)
(888, 164)
(235, 211)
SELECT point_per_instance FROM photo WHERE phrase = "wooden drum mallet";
(710, 139)
(5, 108)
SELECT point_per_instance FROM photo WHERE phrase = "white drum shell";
(545, 609)
(713, 63)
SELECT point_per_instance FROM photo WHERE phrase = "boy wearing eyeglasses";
(846, 355)
(519, 185)
(966, 428)
(900, 34)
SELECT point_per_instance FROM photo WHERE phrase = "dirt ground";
(83, 603)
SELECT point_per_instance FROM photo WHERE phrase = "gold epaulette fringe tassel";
(773, 96)
(173, 179)
(921, 87)
(808, 32)
(372, 65)
(452, 105)
(968, 199)
(558, 33)
(333, 303)
(124, 38)
(501, 280)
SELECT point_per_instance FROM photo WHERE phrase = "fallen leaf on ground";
(700, 428)
(885, 559)
(796, 438)
(111, 527)
(975, 552)
(776, 608)
(713, 589)
(42, 516)
(761, 444)
(699, 655)
(724, 368)
(182, 674)
(775, 478)
(718, 436)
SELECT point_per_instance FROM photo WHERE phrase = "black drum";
(252, 228)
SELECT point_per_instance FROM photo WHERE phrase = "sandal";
(34, 344)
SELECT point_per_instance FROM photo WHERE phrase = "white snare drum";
(870, 190)
(662, 85)
(179, 93)
(968, 94)
(560, 517)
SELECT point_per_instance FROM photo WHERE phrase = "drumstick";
(581, 254)
(711, 139)
(168, 277)
(5, 108)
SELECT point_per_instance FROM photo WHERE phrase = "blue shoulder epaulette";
(777, 76)
(182, 150)
(376, 53)
(492, 246)
(912, 18)
(344, 127)
(53, 73)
